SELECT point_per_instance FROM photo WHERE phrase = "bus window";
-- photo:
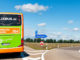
(10, 20)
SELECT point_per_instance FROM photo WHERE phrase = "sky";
(58, 19)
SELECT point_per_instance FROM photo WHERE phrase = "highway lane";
(69, 53)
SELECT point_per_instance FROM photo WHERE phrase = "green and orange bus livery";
(11, 32)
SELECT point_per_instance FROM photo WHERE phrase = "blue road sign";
(39, 35)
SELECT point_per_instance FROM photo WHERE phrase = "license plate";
(5, 44)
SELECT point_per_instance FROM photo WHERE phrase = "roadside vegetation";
(50, 43)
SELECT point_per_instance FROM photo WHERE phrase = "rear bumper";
(12, 50)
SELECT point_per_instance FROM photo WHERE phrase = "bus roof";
(10, 13)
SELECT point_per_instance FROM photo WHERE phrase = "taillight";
(22, 42)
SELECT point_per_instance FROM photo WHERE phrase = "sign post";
(46, 46)
(40, 36)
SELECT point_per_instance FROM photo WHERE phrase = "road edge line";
(42, 57)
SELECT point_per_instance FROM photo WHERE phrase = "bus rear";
(11, 32)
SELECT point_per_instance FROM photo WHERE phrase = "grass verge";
(51, 45)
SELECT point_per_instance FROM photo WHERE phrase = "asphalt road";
(70, 53)
(28, 54)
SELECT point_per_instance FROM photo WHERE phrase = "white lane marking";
(38, 58)
(32, 52)
(79, 51)
(35, 53)
(25, 58)
(28, 58)
(42, 57)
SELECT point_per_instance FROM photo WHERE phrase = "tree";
(49, 40)
(37, 40)
(29, 40)
(66, 41)
(54, 41)
(71, 41)
(60, 41)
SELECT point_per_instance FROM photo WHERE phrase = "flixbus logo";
(8, 18)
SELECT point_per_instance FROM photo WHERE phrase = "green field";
(51, 45)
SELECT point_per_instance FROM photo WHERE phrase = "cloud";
(29, 33)
(76, 29)
(42, 24)
(59, 33)
(70, 21)
(54, 35)
(73, 29)
(31, 7)
(65, 28)
(17, 7)
(66, 37)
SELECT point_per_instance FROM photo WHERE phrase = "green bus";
(11, 32)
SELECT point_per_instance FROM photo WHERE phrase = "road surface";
(28, 54)
(71, 53)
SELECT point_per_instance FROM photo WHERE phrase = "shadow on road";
(13, 55)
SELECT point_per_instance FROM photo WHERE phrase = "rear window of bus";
(10, 20)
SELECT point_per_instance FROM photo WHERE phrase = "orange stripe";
(12, 50)
(9, 13)
(9, 30)
(22, 27)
